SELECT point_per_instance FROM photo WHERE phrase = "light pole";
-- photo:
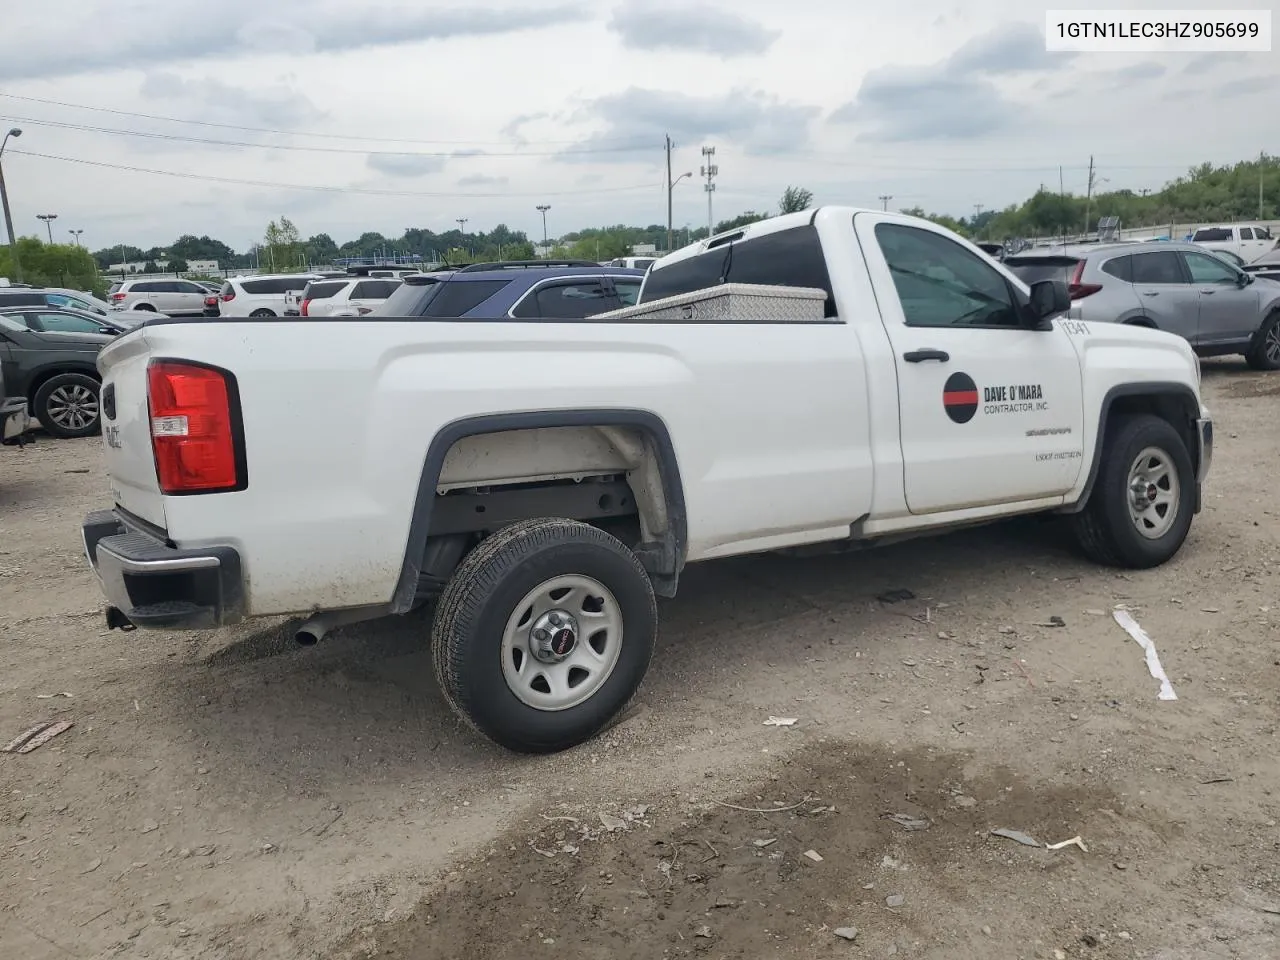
(4, 202)
(671, 186)
(542, 209)
(462, 230)
(48, 219)
(76, 235)
(884, 201)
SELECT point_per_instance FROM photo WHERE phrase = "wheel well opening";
(1140, 322)
(1177, 410)
(40, 379)
(612, 477)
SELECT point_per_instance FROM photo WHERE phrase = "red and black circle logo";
(960, 397)
(563, 641)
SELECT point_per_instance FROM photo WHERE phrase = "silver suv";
(175, 297)
(1179, 287)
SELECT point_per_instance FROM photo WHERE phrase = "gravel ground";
(229, 795)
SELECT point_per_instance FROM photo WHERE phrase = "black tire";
(1264, 352)
(263, 313)
(63, 408)
(485, 593)
(1105, 529)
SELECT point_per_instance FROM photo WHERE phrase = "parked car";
(178, 298)
(356, 297)
(1173, 286)
(566, 289)
(72, 300)
(545, 481)
(633, 263)
(1267, 266)
(14, 417)
(1247, 241)
(50, 358)
(261, 296)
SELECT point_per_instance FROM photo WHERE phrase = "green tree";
(177, 265)
(795, 199)
(151, 267)
(54, 265)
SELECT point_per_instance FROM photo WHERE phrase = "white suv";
(356, 297)
(177, 298)
(261, 296)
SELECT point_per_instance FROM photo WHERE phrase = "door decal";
(960, 397)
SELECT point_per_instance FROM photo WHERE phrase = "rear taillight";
(228, 296)
(1077, 290)
(194, 420)
(117, 297)
(302, 307)
(210, 301)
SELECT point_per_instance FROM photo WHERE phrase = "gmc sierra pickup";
(830, 378)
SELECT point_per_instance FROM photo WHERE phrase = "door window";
(628, 291)
(574, 300)
(1246, 233)
(941, 284)
(1158, 268)
(1205, 269)
(67, 323)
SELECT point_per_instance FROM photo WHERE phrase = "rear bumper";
(14, 418)
(152, 584)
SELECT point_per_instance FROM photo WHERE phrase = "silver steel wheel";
(1271, 345)
(562, 642)
(73, 406)
(1154, 493)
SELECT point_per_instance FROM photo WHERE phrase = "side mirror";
(1048, 299)
(1244, 279)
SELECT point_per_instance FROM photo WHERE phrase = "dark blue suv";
(524, 290)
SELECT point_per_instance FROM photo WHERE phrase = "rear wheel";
(1143, 499)
(263, 313)
(1264, 353)
(67, 405)
(544, 633)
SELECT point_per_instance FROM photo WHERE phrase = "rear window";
(22, 299)
(374, 289)
(1211, 234)
(1034, 269)
(1163, 267)
(788, 258)
(456, 297)
(324, 289)
(147, 286)
(114, 288)
(227, 290)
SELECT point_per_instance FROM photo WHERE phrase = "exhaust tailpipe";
(315, 629)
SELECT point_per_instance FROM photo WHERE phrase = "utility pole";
(462, 228)
(884, 201)
(4, 202)
(1088, 197)
(542, 209)
(48, 219)
(671, 186)
(76, 235)
(710, 170)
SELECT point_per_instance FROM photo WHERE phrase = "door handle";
(1151, 293)
(1208, 291)
(919, 356)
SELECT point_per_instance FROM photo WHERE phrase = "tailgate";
(126, 427)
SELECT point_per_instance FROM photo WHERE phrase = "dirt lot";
(233, 796)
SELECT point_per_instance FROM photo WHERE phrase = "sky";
(350, 118)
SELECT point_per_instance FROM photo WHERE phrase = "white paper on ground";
(1130, 625)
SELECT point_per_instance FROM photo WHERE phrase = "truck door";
(990, 410)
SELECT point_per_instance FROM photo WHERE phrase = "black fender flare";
(1153, 389)
(669, 559)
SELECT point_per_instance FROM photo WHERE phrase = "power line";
(319, 188)
(288, 133)
(179, 138)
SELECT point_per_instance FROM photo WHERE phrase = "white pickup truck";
(831, 378)
(1247, 241)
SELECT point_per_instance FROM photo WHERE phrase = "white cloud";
(484, 111)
